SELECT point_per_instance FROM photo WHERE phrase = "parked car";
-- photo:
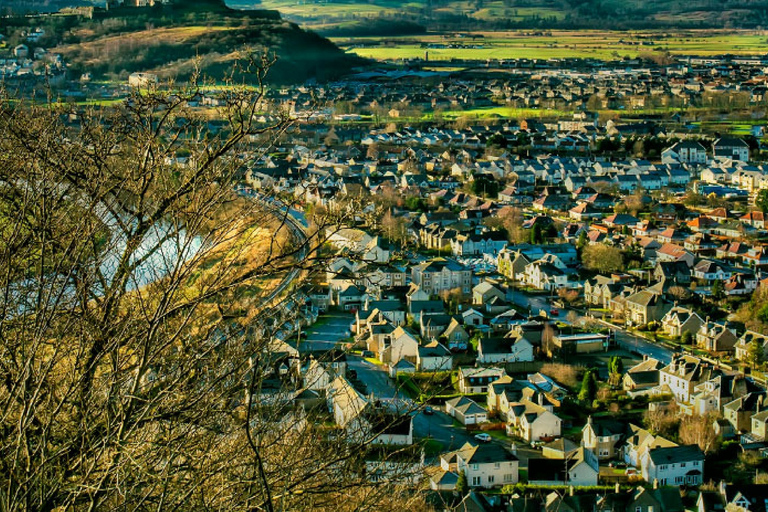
(429, 411)
(483, 437)
(554, 312)
(617, 464)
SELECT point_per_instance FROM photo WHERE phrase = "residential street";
(438, 426)
(624, 338)
(327, 331)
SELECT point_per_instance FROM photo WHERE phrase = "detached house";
(743, 345)
(679, 320)
(477, 380)
(645, 306)
(716, 337)
(601, 437)
(484, 465)
(674, 465)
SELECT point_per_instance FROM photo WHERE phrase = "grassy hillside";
(169, 40)
(351, 17)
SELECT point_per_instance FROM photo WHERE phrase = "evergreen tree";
(462, 486)
(588, 387)
(717, 290)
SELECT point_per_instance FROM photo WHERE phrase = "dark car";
(429, 411)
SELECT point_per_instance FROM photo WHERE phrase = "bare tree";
(143, 302)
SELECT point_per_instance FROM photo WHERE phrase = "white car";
(483, 438)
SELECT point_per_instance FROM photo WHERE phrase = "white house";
(484, 465)
(535, 426)
(504, 350)
(466, 411)
(434, 357)
(403, 344)
(674, 465)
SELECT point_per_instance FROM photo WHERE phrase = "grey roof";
(676, 454)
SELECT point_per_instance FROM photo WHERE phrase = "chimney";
(617, 488)
(570, 490)
(655, 483)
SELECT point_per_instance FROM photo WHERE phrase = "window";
(497, 465)
(490, 479)
(509, 477)
(475, 480)
(474, 467)
(682, 464)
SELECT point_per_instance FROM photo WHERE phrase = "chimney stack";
(617, 488)
(570, 490)
(655, 483)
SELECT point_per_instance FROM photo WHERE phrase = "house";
(533, 422)
(544, 275)
(484, 465)
(673, 252)
(512, 264)
(559, 449)
(734, 498)
(683, 374)
(363, 421)
(679, 320)
(601, 437)
(708, 270)
(755, 218)
(674, 465)
(739, 412)
(732, 148)
(504, 350)
(642, 376)
(644, 307)
(716, 337)
(743, 345)
(472, 244)
(638, 442)
(581, 468)
(686, 151)
(442, 274)
(672, 273)
(466, 411)
(455, 336)
(403, 344)
(641, 499)
(476, 380)
(434, 357)
(760, 425)
(484, 292)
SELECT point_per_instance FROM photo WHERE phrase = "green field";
(557, 44)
